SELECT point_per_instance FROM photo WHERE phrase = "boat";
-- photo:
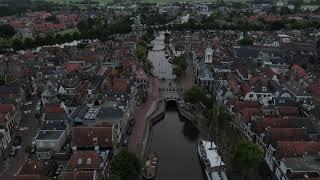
(150, 168)
(211, 162)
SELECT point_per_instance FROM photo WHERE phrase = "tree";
(28, 149)
(113, 177)
(17, 44)
(194, 95)
(245, 157)
(28, 43)
(220, 117)
(52, 19)
(246, 41)
(6, 31)
(126, 165)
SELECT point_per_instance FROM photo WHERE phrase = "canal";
(172, 138)
(175, 141)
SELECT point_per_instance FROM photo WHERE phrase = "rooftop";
(49, 134)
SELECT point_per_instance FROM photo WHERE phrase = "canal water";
(172, 138)
(175, 141)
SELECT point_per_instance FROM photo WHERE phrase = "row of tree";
(180, 66)
(42, 40)
(244, 156)
(88, 29)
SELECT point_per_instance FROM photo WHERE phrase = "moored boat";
(150, 168)
(211, 161)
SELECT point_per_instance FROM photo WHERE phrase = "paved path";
(140, 116)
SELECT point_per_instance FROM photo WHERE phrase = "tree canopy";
(126, 165)
(220, 116)
(194, 95)
(245, 157)
(6, 31)
(180, 66)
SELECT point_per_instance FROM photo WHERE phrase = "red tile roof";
(54, 108)
(29, 177)
(298, 71)
(296, 148)
(246, 104)
(287, 134)
(73, 67)
(120, 85)
(286, 111)
(36, 167)
(272, 122)
(247, 113)
(315, 89)
(84, 160)
(245, 88)
(84, 136)
(81, 175)
(5, 108)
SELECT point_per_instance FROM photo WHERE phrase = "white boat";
(211, 161)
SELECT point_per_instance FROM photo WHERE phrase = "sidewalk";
(140, 116)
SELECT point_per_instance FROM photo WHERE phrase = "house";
(5, 139)
(222, 91)
(301, 167)
(10, 117)
(178, 49)
(284, 134)
(142, 80)
(93, 138)
(204, 75)
(114, 113)
(81, 175)
(88, 161)
(49, 142)
(299, 91)
(49, 93)
(70, 87)
(45, 168)
(296, 159)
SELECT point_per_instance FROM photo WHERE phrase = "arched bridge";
(171, 92)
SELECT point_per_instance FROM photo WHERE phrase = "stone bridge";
(171, 92)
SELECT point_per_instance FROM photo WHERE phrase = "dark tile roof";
(91, 136)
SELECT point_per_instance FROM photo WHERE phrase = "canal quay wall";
(185, 113)
(156, 113)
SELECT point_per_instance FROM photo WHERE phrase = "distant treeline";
(19, 7)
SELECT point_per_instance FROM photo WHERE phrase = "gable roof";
(37, 167)
(91, 136)
(81, 175)
(247, 113)
(84, 160)
(296, 148)
(273, 122)
(5, 108)
(287, 134)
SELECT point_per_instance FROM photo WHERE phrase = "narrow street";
(28, 125)
(140, 116)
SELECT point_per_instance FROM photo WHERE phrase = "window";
(251, 95)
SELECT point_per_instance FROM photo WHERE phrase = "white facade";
(208, 55)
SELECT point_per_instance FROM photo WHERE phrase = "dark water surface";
(175, 141)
